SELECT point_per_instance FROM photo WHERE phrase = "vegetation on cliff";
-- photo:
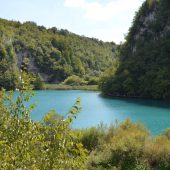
(142, 66)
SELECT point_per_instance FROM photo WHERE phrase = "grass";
(68, 87)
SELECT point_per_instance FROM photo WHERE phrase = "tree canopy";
(52, 54)
(144, 59)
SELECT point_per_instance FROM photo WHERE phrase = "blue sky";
(107, 20)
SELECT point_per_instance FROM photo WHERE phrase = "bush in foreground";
(52, 144)
(24, 144)
(128, 146)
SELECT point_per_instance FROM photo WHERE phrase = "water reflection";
(146, 102)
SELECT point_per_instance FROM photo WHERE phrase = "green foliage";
(62, 86)
(38, 83)
(127, 146)
(75, 80)
(144, 62)
(8, 69)
(167, 133)
(93, 80)
(52, 53)
(25, 144)
(152, 2)
(90, 138)
(52, 118)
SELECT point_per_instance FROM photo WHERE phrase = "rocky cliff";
(144, 59)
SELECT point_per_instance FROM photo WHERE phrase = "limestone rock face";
(32, 65)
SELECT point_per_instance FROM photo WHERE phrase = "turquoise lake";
(155, 115)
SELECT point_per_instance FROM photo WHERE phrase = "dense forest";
(142, 66)
(51, 55)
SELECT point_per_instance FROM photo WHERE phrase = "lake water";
(155, 115)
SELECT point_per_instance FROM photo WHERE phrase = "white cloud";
(111, 20)
(74, 3)
(103, 12)
(108, 34)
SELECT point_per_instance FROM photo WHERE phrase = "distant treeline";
(51, 55)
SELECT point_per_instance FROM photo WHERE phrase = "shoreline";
(132, 97)
(69, 87)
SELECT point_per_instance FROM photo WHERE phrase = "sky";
(107, 20)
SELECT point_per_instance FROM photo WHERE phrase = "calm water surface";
(96, 109)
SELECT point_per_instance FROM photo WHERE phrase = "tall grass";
(128, 146)
(69, 87)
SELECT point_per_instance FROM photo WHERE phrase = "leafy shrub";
(130, 147)
(93, 80)
(157, 153)
(90, 138)
(167, 133)
(38, 83)
(25, 144)
(75, 80)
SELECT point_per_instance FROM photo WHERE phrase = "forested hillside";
(142, 68)
(50, 54)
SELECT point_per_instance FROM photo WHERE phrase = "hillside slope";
(143, 63)
(51, 53)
